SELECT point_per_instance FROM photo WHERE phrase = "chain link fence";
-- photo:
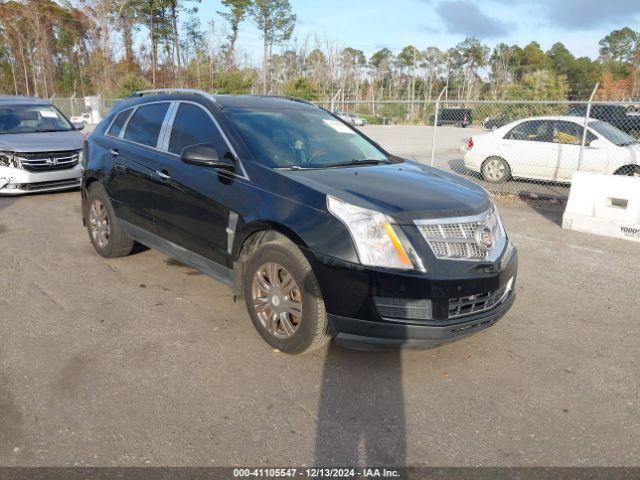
(89, 109)
(510, 147)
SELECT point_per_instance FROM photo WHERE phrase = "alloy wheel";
(276, 300)
(99, 223)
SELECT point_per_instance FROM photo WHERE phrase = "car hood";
(405, 191)
(41, 142)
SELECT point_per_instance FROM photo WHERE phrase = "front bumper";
(16, 181)
(365, 335)
(351, 294)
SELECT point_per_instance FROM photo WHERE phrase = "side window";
(118, 123)
(144, 127)
(193, 125)
(532, 131)
(570, 133)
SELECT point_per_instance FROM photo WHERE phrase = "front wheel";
(284, 300)
(496, 170)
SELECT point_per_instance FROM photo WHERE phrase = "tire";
(105, 231)
(270, 302)
(495, 170)
(629, 171)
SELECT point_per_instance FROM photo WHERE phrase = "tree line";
(113, 47)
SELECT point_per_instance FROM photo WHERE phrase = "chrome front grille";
(457, 238)
(48, 161)
(462, 306)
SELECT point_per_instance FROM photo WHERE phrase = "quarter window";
(118, 123)
(144, 127)
(193, 125)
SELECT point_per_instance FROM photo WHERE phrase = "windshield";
(32, 119)
(293, 138)
(611, 133)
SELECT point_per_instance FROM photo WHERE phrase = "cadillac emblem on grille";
(484, 237)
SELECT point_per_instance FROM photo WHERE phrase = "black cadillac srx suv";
(323, 232)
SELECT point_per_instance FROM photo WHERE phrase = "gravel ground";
(143, 361)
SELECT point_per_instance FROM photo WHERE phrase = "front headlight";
(378, 242)
(8, 159)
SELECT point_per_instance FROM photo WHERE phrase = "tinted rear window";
(144, 127)
(118, 123)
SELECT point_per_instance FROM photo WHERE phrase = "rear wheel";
(106, 234)
(284, 300)
(496, 170)
(630, 171)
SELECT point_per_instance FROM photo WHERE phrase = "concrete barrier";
(604, 205)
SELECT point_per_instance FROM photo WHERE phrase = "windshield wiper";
(626, 144)
(356, 161)
(317, 166)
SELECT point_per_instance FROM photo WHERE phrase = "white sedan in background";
(548, 148)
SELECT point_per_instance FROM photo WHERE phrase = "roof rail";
(286, 97)
(160, 91)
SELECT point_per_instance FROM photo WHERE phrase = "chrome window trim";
(217, 126)
(130, 110)
(167, 124)
(493, 254)
(126, 124)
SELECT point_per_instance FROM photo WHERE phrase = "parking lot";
(143, 361)
(414, 142)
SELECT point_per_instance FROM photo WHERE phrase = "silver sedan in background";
(40, 149)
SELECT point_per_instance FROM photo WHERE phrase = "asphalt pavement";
(142, 361)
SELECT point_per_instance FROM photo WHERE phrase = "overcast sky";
(373, 24)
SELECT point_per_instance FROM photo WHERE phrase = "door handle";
(114, 152)
(163, 175)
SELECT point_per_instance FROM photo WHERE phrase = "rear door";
(191, 201)
(134, 153)
(528, 149)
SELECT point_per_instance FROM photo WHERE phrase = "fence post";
(333, 99)
(435, 125)
(71, 102)
(586, 121)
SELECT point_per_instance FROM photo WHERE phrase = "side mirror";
(597, 143)
(205, 155)
(78, 125)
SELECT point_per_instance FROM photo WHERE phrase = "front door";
(190, 202)
(567, 137)
(131, 156)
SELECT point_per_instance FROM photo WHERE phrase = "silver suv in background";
(40, 149)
